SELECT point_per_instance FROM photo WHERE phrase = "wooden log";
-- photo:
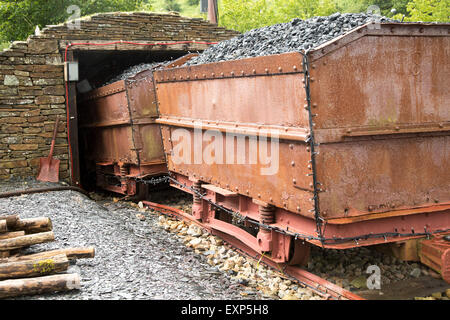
(27, 240)
(34, 268)
(71, 253)
(46, 284)
(33, 225)
(11, 220)
(12, 234)
(3, 226)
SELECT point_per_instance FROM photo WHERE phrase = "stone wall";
(32, 88)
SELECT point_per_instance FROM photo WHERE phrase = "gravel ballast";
(134, 259)
(296, 35)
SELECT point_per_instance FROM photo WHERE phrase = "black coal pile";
(134, 70)
(296, 35)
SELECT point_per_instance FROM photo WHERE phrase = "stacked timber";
(43, 272)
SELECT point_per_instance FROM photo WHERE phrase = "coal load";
(296, 35)
(134, 70)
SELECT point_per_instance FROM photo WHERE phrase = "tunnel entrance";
(112, 125)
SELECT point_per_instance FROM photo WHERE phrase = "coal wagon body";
(345, 145)
(121, 139)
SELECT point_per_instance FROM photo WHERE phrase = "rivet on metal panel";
(237, 189)
(349, 131)
(204, 75)
(271, 199)
(247, 192)
(213, 74)
(292, 164)
(232, 73)
(196, 76)
(308, 149)
(291, 146)
(295, 68)
(298, 208)
(228, 185)
(312, 79)
(294, 181)
(188, 77)
(313, 66)
(280, 69)
(242, 72)
(441, 125)
(254, 71)
(259, 195)
(222, 74)
(314, 105)
(266, 70)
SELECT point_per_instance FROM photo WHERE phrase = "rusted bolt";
(298, 208)
(291, 146)
(295, 68)
(308, 149)
(292, 164)
(280, 69)
(266, 70)
(294, 181)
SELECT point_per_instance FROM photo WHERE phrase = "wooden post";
(13, 234)
(34, 268)
(46, 284)
(71, 253)
(34, 225)
(27, 240)
(11, 220)
(3, 226)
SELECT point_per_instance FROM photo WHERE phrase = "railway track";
(320, 286)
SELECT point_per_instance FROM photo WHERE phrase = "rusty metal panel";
(391, 84)
(289, 187)
(245, 98)
(119, 123)
(383, 120)
(264, 90)
(374, 176)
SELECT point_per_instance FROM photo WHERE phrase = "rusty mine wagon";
(357, 131)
